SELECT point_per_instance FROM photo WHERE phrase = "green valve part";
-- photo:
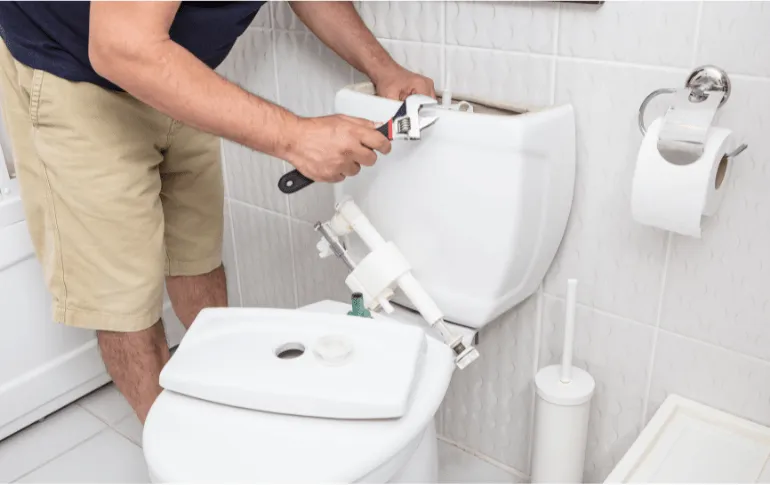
(359, 310)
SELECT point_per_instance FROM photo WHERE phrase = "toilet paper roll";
(675, 197)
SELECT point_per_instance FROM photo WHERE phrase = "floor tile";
(107, 404)
(458, 466)
(36, 445)
(106, 458)
(131, 428)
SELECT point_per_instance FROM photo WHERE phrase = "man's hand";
(398, 83)
(330, 148)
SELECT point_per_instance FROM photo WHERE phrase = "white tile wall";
(658, 314)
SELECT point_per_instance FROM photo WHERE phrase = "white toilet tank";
(478, 206)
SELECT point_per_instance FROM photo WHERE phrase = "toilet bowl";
(442, 236)
(185, 435)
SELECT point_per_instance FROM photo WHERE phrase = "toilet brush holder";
(562, 411)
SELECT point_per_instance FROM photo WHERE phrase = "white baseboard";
(38, 393)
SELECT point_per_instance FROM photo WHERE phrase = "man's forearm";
(167, 77)
(339, 26)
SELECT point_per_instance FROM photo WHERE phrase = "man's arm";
(129, 45)
(339, 26)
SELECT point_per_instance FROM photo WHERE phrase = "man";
(114, 113)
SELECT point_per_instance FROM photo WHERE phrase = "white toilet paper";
(675, 197)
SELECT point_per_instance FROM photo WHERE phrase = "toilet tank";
(478, 206)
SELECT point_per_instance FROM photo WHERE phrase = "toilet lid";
(296, 362)
(191, 440)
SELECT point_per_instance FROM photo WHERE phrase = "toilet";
(442, 236)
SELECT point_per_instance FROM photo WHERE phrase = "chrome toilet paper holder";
(686, 123)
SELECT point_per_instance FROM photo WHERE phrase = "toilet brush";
(562, 410)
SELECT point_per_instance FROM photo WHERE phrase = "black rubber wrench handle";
(294, 181)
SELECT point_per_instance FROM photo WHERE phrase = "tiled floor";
(98, 440)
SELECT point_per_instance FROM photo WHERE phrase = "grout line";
(444, 66)
(696, 36)
(753, 358)
(274, 42)
(269, 211)
(656, 332)
(554, 62)
(506, 468)
(599, 311)
(237, 268)
(64, 452)
(536, 364)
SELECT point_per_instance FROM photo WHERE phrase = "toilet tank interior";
(478, 206)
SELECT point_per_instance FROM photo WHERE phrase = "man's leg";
(134, 361)
(87, 161)
(191, 294)
(193, 200)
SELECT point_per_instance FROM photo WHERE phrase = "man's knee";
(191, 294)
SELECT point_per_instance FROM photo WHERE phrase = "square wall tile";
(263, 247)
(662, 33)
(717, 286)
(510, 26)
(284, 17)
(317, 279)
(250, 64)
(310, 75)
(734, 35)
(710, 375)
(34, 446)
(619, 262)
(262, 19)
(488, 406)
(409, 20)
(229, 261)
(504, 77)
(252, 177)
(616, 352)
(425, 59)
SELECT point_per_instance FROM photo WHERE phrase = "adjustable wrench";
(406, 124)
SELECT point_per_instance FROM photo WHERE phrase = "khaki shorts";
(113, 191)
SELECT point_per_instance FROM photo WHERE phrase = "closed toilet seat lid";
(191, 440)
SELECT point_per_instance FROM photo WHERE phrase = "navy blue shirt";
(53, 36)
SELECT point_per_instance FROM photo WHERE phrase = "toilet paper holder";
(687, 121)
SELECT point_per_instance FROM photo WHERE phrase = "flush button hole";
(291, 350)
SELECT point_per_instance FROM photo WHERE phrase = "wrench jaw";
(413, 105)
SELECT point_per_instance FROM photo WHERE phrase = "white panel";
(512, 26)
(616, 352)
(734, 37)
(415, 21)
(662, 33)
(619, 263)
(489, 404)
(717, 288)
(263, 247)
